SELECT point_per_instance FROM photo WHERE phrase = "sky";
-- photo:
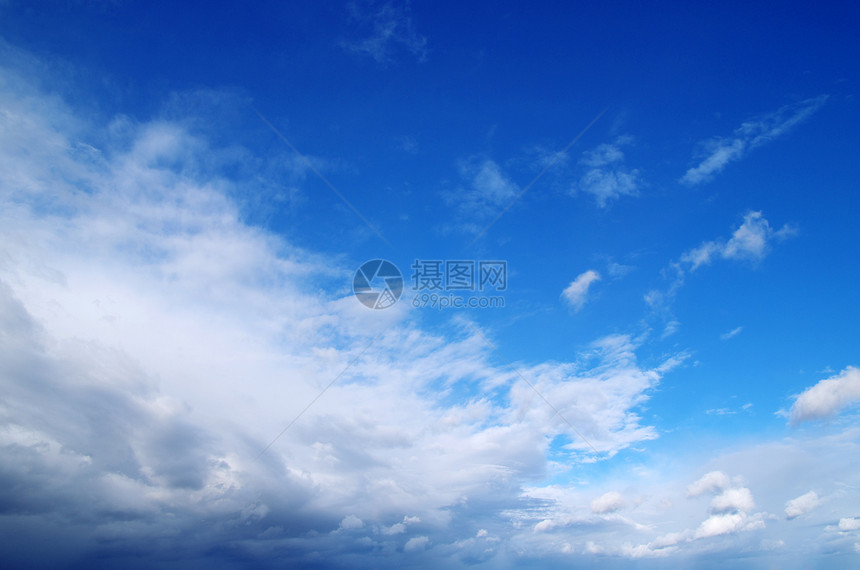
(392, 284)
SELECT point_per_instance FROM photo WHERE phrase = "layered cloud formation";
(155, 344)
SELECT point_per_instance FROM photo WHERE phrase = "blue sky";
(187, 191)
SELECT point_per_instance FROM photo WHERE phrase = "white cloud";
(153, 343)
(728, 523)
(748, 136)
(577, 292)
(157, 342)
(728, 411)
(416, 544)
(828, 397)
(351, 522)
(735, 499)
(490, 186)
(607, 503)
(720, 524)
(732, 333)
(801, 505)
(751, 241)
(606, 177)
(486, 192)
(849, 523)
(396, 528)
(709, 483)
(618, 270)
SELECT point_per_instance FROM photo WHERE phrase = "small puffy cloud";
(351, 522)
(607, 178)
(801, 505)
(485, 191)
(416, 544)
(577, 291)
(607, 503)
(482, 533)
(752, 238)
(828, 397)
(491, 185)
(728, 523)
(751, 241)
(709, 483)
(396, 528)
(849, 524)
(545, 525)
(720, 524)
(751, 134)
(736, 499)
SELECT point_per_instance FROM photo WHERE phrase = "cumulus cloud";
(154, 343)
(828, 397)
(751, 134)
(750, 241)
(728, 523)
(849, 523)
(577, 292)
(709, 483)
(351, 522)
(607, 503)
(735, 499)
(659, 526)
(606, 177)
(416, 544)
(729, 509)
(801, 505)
(489, 185)
(396, 528)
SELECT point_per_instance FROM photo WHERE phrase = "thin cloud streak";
(750, 135)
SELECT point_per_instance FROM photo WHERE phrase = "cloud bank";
(154, 342)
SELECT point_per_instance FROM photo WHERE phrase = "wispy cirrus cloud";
(390, 29)
(752, 241)
(732, 333)
(719, 152)
(153, 342)
(606, 177)
(485, 190)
